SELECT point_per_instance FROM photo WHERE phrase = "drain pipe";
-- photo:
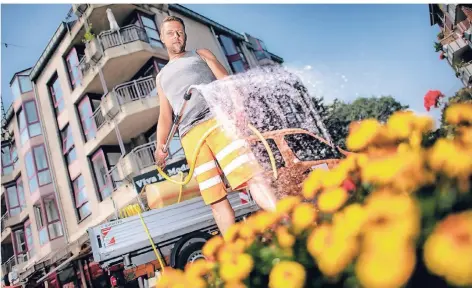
(51, 165)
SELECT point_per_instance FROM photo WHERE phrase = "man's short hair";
(172, 18)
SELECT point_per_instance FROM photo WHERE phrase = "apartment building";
(81, 132)
(454, 41)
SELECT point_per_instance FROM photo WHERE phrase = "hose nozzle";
(188, 94)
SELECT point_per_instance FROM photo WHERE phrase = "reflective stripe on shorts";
(209, 183)
(240, 160)
(233, 146)
(205, 167)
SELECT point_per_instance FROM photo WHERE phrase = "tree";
(338, 115)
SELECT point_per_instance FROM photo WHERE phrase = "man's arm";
(165, 117)
(218, 70)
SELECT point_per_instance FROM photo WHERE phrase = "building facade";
(82, 129)
(454, 41)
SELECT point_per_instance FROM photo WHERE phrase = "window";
(9, 158)
(56, 94)
(80, 195)
(233, 54)
(15, 89)
(37, 168)
(48, 220)
(28, 121)
(151, 31)
(228, 45)
(72, 61)
(68, 147)
(16, 198)
(52, 216)
(86, 118)
(309, 148)
(25, 84)
(262, 155)
(100, 170)
(43, 232)
(29, 238)
(21, 246)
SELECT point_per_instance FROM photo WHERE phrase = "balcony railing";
(4, 219)
(84, 66)
(125, 35)
(98, 118)
(7, 267)
(116, 182)
(144, 155)
(135, 90)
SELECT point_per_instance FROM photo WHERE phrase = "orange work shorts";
(236, 161)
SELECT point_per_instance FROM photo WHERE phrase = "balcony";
(132, 106)
(17, 219)
(466, 74)
(455, 50)
(10, 174)
(6, 231)
(119, 54)
(7, 267)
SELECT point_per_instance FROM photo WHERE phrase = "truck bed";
(114, 239)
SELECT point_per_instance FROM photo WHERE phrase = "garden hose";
(199, 145)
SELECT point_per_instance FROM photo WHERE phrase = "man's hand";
(160, 156)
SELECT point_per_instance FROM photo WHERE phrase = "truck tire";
(189, 254)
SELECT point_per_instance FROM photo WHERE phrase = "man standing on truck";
(186, 68)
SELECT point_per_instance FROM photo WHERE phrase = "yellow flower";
(363, 135)
(246, 232)
(313, 183)
(404, 170)
(304, 215)
(284, 238)
(400, 124)
(448, 250)
(198, 268)
(232, 232)
(335, 177)
(351, 219)
(287, 274)
(212, 245)
(458, 113)
(235, 285)
(386, 268)
(171, 278)
(287, 204)
(262, 220)
(450, 158)
(230, 251)
(237, 269)
(331, 200)
(466, 136)
(390, 216)
(332, 248)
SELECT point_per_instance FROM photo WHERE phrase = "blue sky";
(347, 50)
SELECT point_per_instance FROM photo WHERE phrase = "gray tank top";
(175, 79)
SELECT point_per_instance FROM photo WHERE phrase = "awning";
(62, 265)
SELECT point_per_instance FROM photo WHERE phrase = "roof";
(200, 18)
(49, 50)
(20, 73)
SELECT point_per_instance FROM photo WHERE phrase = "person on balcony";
(186, 68)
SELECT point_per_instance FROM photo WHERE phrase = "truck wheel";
(190, 254)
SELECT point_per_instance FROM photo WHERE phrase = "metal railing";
(98, 118)
(135, 90)
(84, 66)
(7, 267)
(126, 34)
(4, 219)
(144, 155)
(115, 180)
